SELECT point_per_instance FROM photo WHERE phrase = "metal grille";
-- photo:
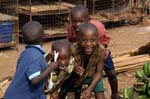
(120, 10)
(76, 2)
(52, 14)
(97, 5)
(8, 23)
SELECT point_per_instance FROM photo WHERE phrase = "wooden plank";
(11, 44)
(67, 4)
(132, 62)
(3, 86)
(47, 8)
(53, 33)
(128, 68)
(5, 17)
(128, 58)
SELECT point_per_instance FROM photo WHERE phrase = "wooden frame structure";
(8, 14)
(52, 15)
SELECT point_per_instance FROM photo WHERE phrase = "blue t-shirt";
(30, 64)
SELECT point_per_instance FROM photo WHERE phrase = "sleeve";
(33, 70)
(69, 32)
(104, 37)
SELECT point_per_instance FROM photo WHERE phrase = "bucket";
(6, 31)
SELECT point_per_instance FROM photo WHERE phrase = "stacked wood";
(63, 6)
(5, 17)
(146, 21)
(4, 83)
(10, 44)
(121, 11)
(57, 32)
(130, 63)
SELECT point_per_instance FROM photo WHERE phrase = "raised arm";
(40, 76)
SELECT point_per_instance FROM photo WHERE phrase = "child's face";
(88, 42)
(63, 59)
(77, 20)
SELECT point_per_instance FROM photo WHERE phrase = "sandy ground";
(123, 39)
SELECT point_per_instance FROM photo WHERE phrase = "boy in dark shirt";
(32, 70)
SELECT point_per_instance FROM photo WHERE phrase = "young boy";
(89, 61)
(31, 71)
(62, 54)
(80, 15)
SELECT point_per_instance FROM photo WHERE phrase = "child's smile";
(63, 60)
(88, 42)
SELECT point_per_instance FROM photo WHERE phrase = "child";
(32, 70)
(62, 54)
(80, 15)
(89, 58)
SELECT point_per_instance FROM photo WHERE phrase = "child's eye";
(83, 40)
(93, 40)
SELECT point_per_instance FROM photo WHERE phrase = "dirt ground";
(123, 39)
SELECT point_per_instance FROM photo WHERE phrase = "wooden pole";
(85, 3)
(93, 9)
(30, 4)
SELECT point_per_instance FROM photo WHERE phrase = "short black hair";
(87, 26)
(80, 9)
(32, 32)
(61, 44)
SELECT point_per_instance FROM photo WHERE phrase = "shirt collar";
(37, 46)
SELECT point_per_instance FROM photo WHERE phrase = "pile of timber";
(4, 83)
(63, 6)
(55, 32)
(130, 63)
(5, 17)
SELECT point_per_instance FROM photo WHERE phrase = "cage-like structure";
(97, 5)
(52, 14)
(75, 1)
(8, 23)
(94, 6)
(119, 10)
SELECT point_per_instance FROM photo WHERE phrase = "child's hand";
(78, 69)
(49, 57)
(55, 95)
(53, 66)
(86, 94)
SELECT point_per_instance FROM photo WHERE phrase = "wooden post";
(59, 5)
(85, 3)
(30, 4)
(17, 32)
(93, 12)
(113, 4)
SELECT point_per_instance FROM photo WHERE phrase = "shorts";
(108, 63)
(68, 87)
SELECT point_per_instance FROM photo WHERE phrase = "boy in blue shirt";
(32, 70)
